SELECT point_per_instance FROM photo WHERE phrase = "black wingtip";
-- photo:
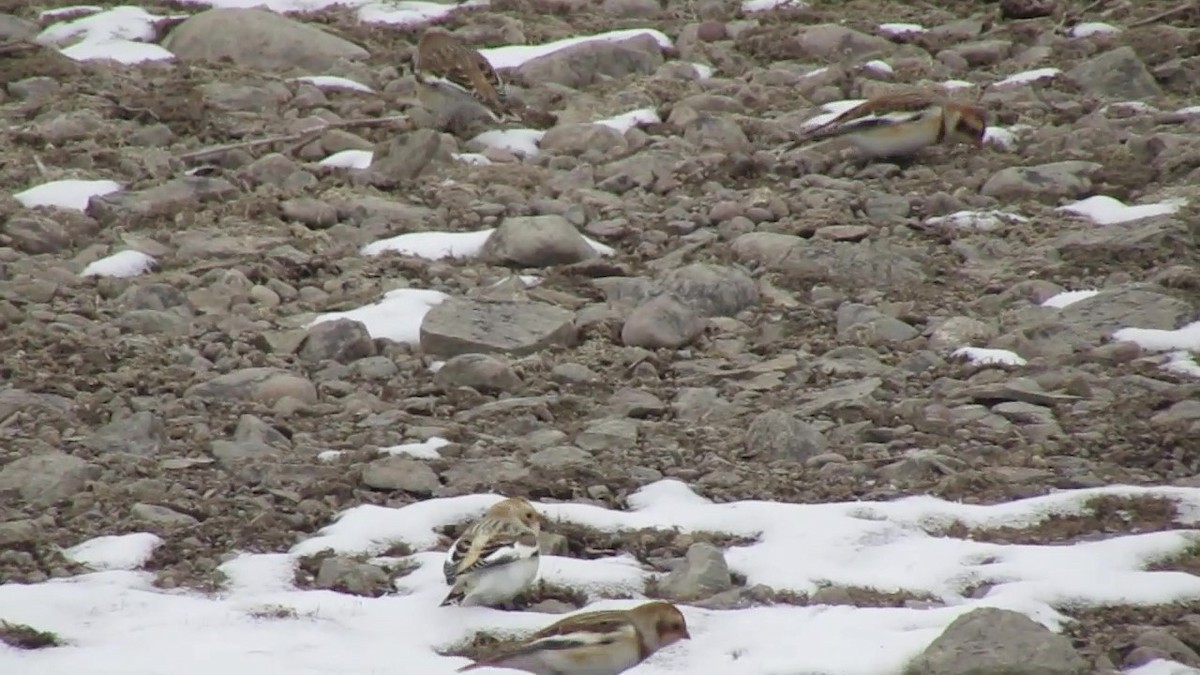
(454, 598)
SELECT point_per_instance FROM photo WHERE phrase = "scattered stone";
(45, 479)
(777, 434)
(704, 573)
(142, 433)
(460, 326)
(346, 575)
(260, 40)
(661, 322)
(400, 473)
(997, 641)
(537, 241)
(479, 371)
(341, 340)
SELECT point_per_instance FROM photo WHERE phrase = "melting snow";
(127, 263)
(1109, 211)
(397, 316)
(517, 141)
(877, 66)
(334, 82)
(118, 623)
(349, 159)
(115, 552)
(1186, 338)
(703, 70)
(66, 194)
(899, 29)
(439, 245)
(1029, 76)
(989, 357)
(1082, 30)
(118, 34)
(1068, 298)
(512, 56)
(629, 120)
(976, 220)
(749, 6)
(424, 450)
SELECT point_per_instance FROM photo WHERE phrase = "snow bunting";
(449, 72)
(594, 643)
(497, 557)
(901, 124)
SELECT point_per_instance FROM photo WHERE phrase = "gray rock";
(152, 322)
(583, 137)
(1116, 74)
(37, 234)
(315, 213)
(161, 515)
(990, 641)
(715, 132)
(561, 458)
(777, 434)
(252, 428)
(409, 155)
(341, 340)
(1159, 643)
(830, 41)
(704, 404)
(573, 373)
(232, 452)
(537, 241)
(47, 478)
(703, 573)
(15, 532)
(611, 434)
(662, 322)
(479, 371)
(863, 325)
(259, 40)
(164, 199)
(469, 475)
(347, 575)
(1046, 182)
(16, 28)
(459, 326)
(379, 368)
(583, 64)
(400, 473)
(712, 290)
(961, 331)
(1149, 244)
(855, 394)
(141, 433)
(264, 385)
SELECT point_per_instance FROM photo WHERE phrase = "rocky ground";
(802, 354)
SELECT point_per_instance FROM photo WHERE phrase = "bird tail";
(454, 597)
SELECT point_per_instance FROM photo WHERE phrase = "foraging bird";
(449, 72)
(594, 643)
(497, 557)
(901, 124)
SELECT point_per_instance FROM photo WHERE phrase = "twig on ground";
(1166, 14)
(297, 139)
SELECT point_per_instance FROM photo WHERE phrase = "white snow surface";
(66, 194)
(116, 622)
(120, 265)
(1106, 210)
(439, 245)
(397, 316)
(980, 356)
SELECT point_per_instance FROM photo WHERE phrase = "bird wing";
(598, 638)
(488, 544)
(440, 57)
